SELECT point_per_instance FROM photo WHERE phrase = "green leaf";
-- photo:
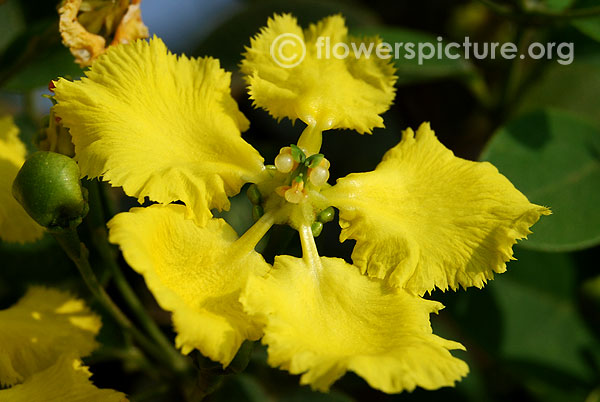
(541, 324)
(48, 65)
(588, 26)
(554, 159)
(409, 68)
(573, 87)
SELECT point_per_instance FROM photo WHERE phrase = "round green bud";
(316, 228)
(49, 189)
(253, 194)
(326, 215)
(257, 212)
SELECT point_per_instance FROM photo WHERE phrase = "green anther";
(299, 178)
(254, 195)
(314, 160)
(326, 215)
(316, 228)
(297, 154)
(257, 212)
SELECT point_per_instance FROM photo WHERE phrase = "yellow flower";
(425, 218)
(42, 338)
(160, 126)
(15, 224)
(85, 25)
(167, 128)
(323, 92)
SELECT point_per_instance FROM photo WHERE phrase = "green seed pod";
(316, 228)
(326, 215)
(49, 189)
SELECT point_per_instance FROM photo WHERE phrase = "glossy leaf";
(573, 87)
(541, 321)
(554, 159)
(409, 68)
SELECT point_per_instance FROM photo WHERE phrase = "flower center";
(292, 190)
(303, 173)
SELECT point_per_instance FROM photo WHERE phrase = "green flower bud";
(326, 215)
(49, 189)
(254, 195)
(316, 228)
(257, 212)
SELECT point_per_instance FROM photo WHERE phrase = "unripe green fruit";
(49, 189)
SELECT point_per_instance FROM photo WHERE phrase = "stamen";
(296, 193)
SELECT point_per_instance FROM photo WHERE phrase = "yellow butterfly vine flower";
(42, 338)
(167, 128)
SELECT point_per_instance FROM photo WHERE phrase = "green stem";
(78, 253)
(133, 302)
(96, 224)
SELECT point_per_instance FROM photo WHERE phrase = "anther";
(295, 194)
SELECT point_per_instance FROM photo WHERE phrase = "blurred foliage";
(531, 334)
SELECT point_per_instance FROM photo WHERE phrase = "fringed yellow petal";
(65, 381)
(42, 326)
(321, 323)
(86, 25)
(15, 224)
(160, 126)
(196, 273)
(291, 74)
(430, 219)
